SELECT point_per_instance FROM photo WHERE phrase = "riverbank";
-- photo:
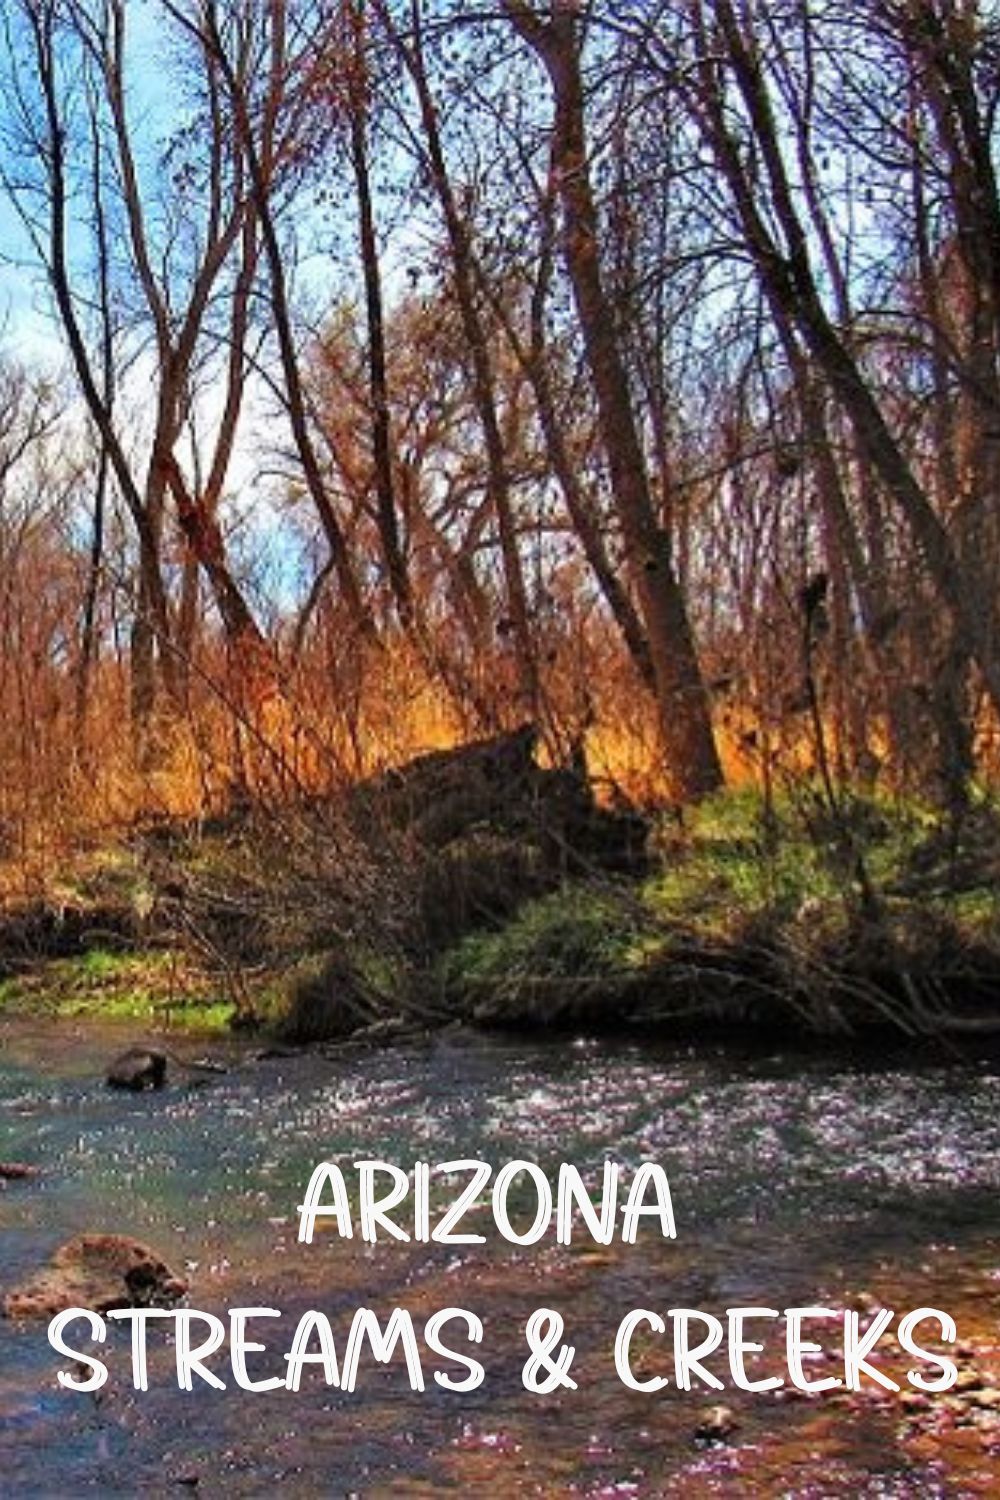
(750, 924)
(479, 889)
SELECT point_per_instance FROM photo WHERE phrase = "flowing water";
(794, 1181)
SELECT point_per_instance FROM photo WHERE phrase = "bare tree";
(268, 104)
(209, 214)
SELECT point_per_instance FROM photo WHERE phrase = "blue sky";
(28, 328)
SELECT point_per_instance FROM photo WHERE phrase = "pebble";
(716, 1424)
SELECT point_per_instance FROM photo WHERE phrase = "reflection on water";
(792, 1180)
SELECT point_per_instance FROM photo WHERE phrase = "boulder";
(716, 1424)
(138, 1068)
(100, 1272)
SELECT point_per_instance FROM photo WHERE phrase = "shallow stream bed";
(794, 1181)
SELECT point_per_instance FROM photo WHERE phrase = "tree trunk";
(378, 384)
(685, 718)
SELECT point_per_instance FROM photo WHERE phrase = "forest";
(383, 378)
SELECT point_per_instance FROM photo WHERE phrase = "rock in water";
(146, 1068)
(16, 1171)
(98, 1271)
(716, 1424)
(137, 1069)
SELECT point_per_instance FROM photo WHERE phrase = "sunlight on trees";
(430, 368)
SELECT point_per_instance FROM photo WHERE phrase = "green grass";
(976, 913)
(732, 863)
(729, 873)
(144, 985)
(578, 932)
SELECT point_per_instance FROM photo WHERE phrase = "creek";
(795, 1180)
